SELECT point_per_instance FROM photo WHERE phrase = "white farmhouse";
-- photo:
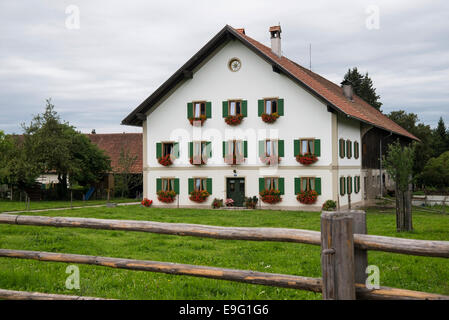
(241, 120)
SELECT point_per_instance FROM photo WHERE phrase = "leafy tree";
(363, 87)
(6, 146)
(55, 146)
(399, 165)
(436, 171)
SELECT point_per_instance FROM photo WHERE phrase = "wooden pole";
(337, 256)
(360, 255)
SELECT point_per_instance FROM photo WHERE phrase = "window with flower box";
(342, 148)
(235, 151)
(234, 111)
(199, 110)
(167, 189)
(270, 109)
(200, 152)
(271, 183)
(200, 184)
(307, 184)
(271, 148)
(166, 152)
(349, 149)
(306, 150)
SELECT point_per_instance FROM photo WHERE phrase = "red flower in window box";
(233, 160)
(234, 120)
(147, 202)
(197, 160)
(166, 196)
(199, 196)
(306, 158)
(307, 197)
(165, 160)
(269, 160)
(270, 196)
(195, 120)
(270, 117)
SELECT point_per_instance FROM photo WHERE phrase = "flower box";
(270, 160)
(197, 160)
(306, 159)
(199, 196)
(234, 120)
(165, 160)
(270, 117)
(307, 197)
(166, 196)
(270, 196)
(233, 160)
(198, 120)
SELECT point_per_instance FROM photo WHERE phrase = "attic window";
(199, 109)
(271, 106)
(235, 107)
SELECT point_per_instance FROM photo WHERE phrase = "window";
(168, 184)
(271, 183)
(307, 146)
(200, 149)
(307, 184)
(167, 148)
(271, 105)
(349, 185)
(199, 184)
(199, 109)
(271, 148)
(235, 107)
(342, 148)
(349, 149)
(356, 150)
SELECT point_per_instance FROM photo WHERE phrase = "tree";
(436, 171)
(6, 146)
(363, 87)
(399, 165)
(55, 146)
(441, 137)
(126, 180)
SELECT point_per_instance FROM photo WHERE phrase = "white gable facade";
(304, 117)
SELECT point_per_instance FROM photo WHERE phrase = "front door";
(235, 189)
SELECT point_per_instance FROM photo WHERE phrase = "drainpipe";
(380, 162)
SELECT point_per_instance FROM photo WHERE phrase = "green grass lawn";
(401, 271)
(8, 205)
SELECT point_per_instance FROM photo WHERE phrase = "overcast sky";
(123, 50)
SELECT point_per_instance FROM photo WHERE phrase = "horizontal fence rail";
(24, 295)
(245, 276)
(361, 241)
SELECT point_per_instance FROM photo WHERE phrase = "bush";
(329, 205)
(217, 203)
(251, 202)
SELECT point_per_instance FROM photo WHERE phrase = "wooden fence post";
(360, 255)
(337, 256)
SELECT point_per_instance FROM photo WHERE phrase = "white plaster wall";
(349, 129)
(355, 197)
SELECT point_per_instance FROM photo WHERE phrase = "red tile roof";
(331, 92)
(113, 143)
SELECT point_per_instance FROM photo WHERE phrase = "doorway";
(235, 190)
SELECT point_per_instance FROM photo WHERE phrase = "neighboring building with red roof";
(252, 107)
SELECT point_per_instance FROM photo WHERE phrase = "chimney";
(275, 33)
(93, 131)
(347, 89)
(241, 30)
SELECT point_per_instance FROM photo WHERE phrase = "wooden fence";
(343, 240)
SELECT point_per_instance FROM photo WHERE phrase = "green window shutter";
(348, 149)
(317, 147)
(245, 149)
(190, 185)
(351, 184)
(281, 148)
(208, 110)
(158, 150)
(261, 148)
(176, 150)
(261, 184)
(342, 144)
(190, 149)
(209, 185)
(245, 108)
(297, 185)
(177, 185)
(281, 107)
(260, 106)
(209, 149)
(342, 186)
(225, 109)
(225, 148)
(190, 110)
(158, 184)
(296, 147)
(318, 185)
(281, 185)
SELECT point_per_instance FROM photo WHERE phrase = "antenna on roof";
(310, 56)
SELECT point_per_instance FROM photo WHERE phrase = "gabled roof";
(112, 144)
(327, 91)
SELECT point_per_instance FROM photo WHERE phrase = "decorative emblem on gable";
(234, 64)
